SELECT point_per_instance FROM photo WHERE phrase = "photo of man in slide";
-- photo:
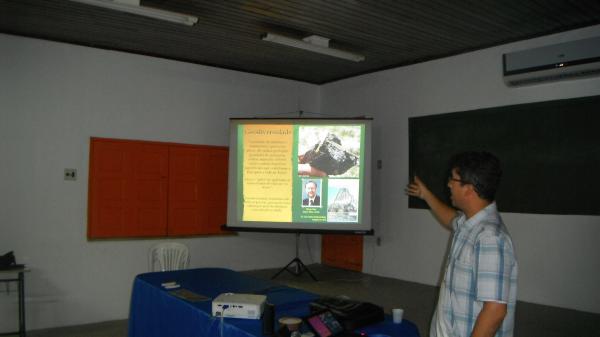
(312, 198)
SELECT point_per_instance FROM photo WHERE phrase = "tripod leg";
(283, 269)
(303, 268)
(300, 266)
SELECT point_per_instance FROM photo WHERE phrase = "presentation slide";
(303, 174)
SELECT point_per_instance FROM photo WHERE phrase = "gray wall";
(558, 255)
(53, 97)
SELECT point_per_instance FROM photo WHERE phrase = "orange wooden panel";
(342, 251)
(109, 189)
(218, 159)
(197, 189)
(140, 188)
(127, 189)
(150, 180)
(185, 216)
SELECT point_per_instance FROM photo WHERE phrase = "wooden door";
(342, 251)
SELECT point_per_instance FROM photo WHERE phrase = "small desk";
(156, 313)
(20, 279)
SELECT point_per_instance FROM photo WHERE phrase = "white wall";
(559, 256)
(53, 97)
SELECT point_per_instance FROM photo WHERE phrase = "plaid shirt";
(481, 267)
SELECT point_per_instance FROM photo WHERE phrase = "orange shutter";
(151, 178)
(342, 251)
(141, 189)
(217, 199)
(127, 189)
(197, 189)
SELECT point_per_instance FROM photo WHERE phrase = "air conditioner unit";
(567, 60)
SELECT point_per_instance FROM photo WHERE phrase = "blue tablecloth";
(155, 312)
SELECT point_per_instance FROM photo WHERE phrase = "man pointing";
(479, 290)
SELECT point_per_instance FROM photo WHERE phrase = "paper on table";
(189, 295)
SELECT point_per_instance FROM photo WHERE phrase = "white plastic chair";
(167, 256)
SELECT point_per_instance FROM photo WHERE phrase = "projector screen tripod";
(299, 268)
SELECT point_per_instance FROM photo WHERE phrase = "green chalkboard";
(550, 153)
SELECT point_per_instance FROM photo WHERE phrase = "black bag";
(351, 314)
(7, 260)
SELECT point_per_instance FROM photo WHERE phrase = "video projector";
(239, 305)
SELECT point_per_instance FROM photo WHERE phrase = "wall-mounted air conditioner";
(567, 60)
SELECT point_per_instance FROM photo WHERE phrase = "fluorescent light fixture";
(314, 43)
(133, 7)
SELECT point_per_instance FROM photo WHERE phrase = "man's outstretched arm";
(442, 212)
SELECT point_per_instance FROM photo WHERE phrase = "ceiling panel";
(228, 34)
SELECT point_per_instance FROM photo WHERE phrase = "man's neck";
(475, 207)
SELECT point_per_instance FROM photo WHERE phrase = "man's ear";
(470, 191)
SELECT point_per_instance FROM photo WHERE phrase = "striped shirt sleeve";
(494, 265)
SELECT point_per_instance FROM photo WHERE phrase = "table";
(20, 279)
(154, 312)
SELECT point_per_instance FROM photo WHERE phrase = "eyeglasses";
(457, 180)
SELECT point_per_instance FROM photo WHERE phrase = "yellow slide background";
(267, 176)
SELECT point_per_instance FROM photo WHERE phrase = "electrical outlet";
(70, 174)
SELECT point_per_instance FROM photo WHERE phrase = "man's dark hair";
(311, 182)
(480, 169)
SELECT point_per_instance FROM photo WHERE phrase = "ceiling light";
(133, 7)
(314, 43)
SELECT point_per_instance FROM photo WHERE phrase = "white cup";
(397, 315)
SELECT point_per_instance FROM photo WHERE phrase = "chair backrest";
(169, 256)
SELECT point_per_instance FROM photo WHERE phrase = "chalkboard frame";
(550, 153)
